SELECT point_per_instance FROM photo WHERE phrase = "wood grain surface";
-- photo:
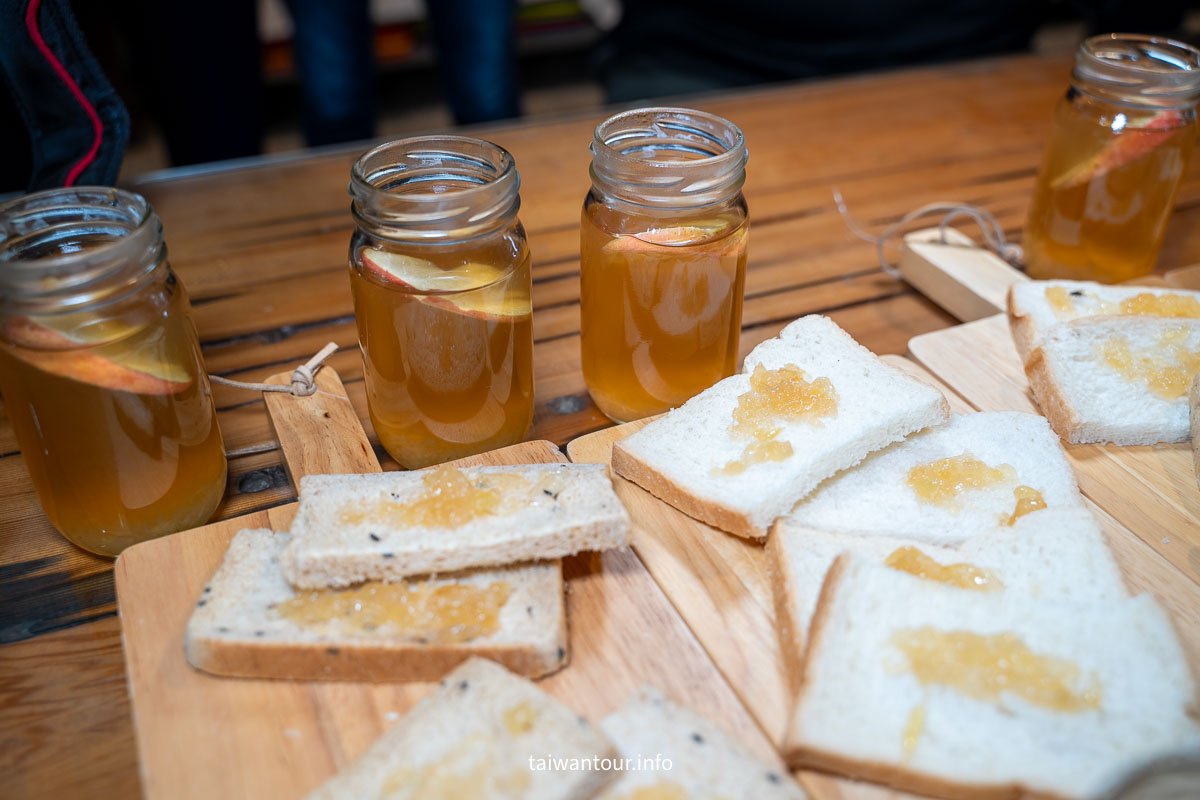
(262, 248)
(201, 736)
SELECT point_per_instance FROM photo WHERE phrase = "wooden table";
(262, 249)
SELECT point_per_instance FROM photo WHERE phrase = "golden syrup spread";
(1028, 500)
(449, 612)
(941, 482)
(1059, 300)
(1062, 304)
(449, 498)
(1168, 371)
(983, 666)
(520, 719)
(913, 730)
(465, 773)
(662, 790)
(1161, 305)
(776, 397)
(963, 576)
(757, 453)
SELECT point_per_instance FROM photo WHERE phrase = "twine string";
(993, 233)
(303, 383)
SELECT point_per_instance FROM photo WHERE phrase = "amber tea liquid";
(1106, 190)
(447, 341)
(661, 307)
(120, 437)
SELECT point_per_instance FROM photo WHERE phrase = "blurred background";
(235, 78)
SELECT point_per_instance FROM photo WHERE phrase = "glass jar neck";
(668, 158)
(67, 250)
(435, 189)
(1141, 71)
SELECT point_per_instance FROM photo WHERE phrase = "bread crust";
(312, 570)
(1055, 405)
(629, 466)
(908, 780)
(1024, 332)
(791, 641)
(356, 662)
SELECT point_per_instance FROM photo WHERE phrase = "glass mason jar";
(100, 370)
(1120, 144)
(439, 269)
(663, 259)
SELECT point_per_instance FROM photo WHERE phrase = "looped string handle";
(993, 233)
(303, 383)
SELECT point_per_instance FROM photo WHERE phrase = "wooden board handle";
(959, 275)
(308, 427)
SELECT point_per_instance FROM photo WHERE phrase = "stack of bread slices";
(1108, 363)
(400, 576)
(951, 618)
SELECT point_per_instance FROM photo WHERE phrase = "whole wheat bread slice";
(672, 752)
(485, 734)
(1115, 694)
(680, 456)
(344, 533)
(1054, 554)
(239, 626)
(1087, 399)
(877, 497)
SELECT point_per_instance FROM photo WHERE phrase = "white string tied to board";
(993, 233)
(304, 377)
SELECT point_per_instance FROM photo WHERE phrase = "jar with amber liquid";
(663, 259)
(1121, 142)
(439, 269)
(100, 370)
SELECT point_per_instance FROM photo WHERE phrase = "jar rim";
(627, 166)
(673, 118)
(128, 244)
(16, 216)
(503, 163)
(486, 194)
(1139, 68)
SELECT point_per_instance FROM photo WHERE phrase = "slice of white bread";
(482, 734)
(243, 623)
(876, 496)
(670, 752)
(862, 711)
(1053, 554)
(1035, 307)
(1079, 383)
(680, 457)
(352, 528)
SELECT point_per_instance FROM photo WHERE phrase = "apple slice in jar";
(698, 237)
(79, 358)
(475, 289)
(1136, 140)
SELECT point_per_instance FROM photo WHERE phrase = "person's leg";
(335, 55)
(477, 56)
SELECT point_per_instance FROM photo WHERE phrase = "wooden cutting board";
(719, 584)
(200, 736)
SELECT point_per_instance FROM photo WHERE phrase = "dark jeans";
(477, 57)
(334, 52)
